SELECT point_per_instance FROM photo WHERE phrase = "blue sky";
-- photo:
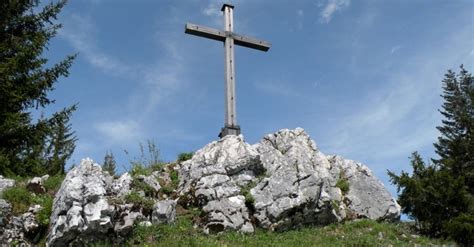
(361, 77)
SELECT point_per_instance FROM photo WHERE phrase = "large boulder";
(213, 179)
(164, 212)
(81, 212)
(282, 182)
(91, 206)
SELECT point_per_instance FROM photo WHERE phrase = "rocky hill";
(283, 182)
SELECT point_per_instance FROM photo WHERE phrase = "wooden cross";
(229, 38)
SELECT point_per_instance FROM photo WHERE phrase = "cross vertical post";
(229, 38)
(230, 127)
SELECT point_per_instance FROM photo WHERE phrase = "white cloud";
(119, 131)
(399, 117)
(79, 32)
(300, 16)
(395, 49)
(331, 7)
(300, 13)
(214, 12)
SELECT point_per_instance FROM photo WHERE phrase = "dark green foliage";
(461, 228)
(431, 196)
(439, 196)
(185, 156)
(455, 146)
(109, 163)
(27, 146)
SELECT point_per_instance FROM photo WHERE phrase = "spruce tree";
(109, 163)
(439, 196)
(27, 146)
(455, 146)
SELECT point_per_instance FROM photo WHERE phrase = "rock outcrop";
(282, 182)
(213, 179)
(89, 207)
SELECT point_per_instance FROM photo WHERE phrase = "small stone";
(145, 223)
(35, 208)
(380, 236)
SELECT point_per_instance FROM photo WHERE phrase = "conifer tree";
(27, 146)
(109, 163)
(439, 196)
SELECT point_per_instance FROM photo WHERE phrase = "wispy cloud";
(401, 116)
(154, 83)
(119, 131)
(331, 7)
(395, 49)
(213, 11)
(79, 32)
(299, 16)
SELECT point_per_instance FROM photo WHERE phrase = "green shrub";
(139, 185)
(245, 190)
(167, 190)
(185, 156)
(46, 201)
(139, 201)
(19, 197)
(343, 183)
(139, 169)
(174, 178)
(461, 229)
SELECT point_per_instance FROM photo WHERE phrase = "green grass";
(185, 156)
(53, 183)
(358, 233)
(20, 198)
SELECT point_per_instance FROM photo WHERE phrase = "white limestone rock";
(164, 212)
(282, 182)
(367, 196)
(122, 185)
(80, 209)
(298, 188)
(212, 179)
(5, 183)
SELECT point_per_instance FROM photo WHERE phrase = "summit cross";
(230, 39)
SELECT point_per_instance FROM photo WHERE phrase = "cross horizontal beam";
(218, 35)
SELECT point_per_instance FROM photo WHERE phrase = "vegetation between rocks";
(356, 233)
